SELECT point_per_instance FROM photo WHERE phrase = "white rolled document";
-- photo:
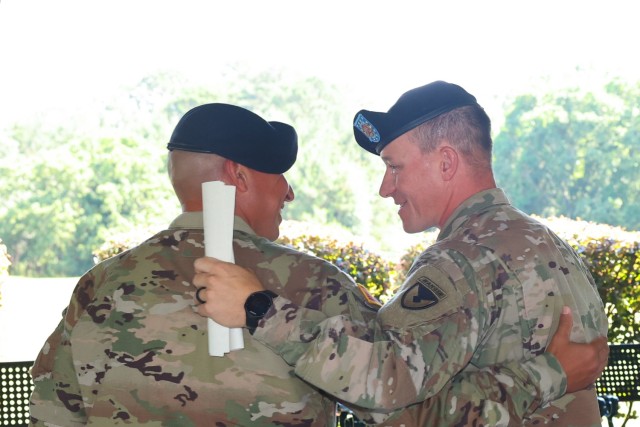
(218, 205)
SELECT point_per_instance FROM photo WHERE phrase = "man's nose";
(386, 186)
(290, 195)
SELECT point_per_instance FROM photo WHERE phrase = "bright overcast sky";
(56, 53)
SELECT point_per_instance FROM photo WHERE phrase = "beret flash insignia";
(365, 126)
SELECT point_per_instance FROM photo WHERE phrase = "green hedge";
(365, 267)
(610, 253)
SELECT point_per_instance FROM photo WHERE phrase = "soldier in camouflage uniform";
(131, 350)
(490, 290)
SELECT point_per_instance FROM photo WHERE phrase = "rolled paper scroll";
(218, 204)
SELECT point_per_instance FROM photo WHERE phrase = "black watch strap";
(256, 306)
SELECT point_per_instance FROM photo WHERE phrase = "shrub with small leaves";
(612, 255)
(365, 267)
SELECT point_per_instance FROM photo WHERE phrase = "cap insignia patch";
(365, 126)
(422, 294)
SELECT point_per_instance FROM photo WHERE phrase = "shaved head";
(188, 170)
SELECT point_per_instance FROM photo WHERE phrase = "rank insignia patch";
(369, 299)
(365, 126)
(422, 294)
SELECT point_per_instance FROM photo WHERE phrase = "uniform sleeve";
(501, 395)
(416, 344)
(56, 398)
(421, 338)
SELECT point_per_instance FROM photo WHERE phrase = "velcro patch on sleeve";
(424, 293)
(428, 294)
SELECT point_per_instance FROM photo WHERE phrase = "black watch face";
(258, 304)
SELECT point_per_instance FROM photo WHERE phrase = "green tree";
(70, 187)
(64, 201)
(575, 154)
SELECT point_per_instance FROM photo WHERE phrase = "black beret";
(374, 130)
(237, 134)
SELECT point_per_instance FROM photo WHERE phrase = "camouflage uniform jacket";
(131, 349)
(489, 291)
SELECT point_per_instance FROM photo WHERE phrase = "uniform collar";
(194, 220)
(473, 205)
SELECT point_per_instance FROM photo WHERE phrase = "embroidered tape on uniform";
(370, 300)
(422, 294)
(365, 126)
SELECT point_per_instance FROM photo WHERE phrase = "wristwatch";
(256, 306)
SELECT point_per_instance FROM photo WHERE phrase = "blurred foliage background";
(78, 189)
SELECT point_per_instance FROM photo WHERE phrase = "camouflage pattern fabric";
(489, 291)
(500, 395)
(131, 349)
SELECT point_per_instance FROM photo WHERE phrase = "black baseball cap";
(237, 134)
(374, 130)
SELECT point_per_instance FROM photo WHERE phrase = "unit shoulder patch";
(424, 293)
(426, 296)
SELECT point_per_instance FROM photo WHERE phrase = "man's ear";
(237, 175)
(449, 162)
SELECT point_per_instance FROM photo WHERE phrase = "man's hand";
(227, 287)
(582, 363)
